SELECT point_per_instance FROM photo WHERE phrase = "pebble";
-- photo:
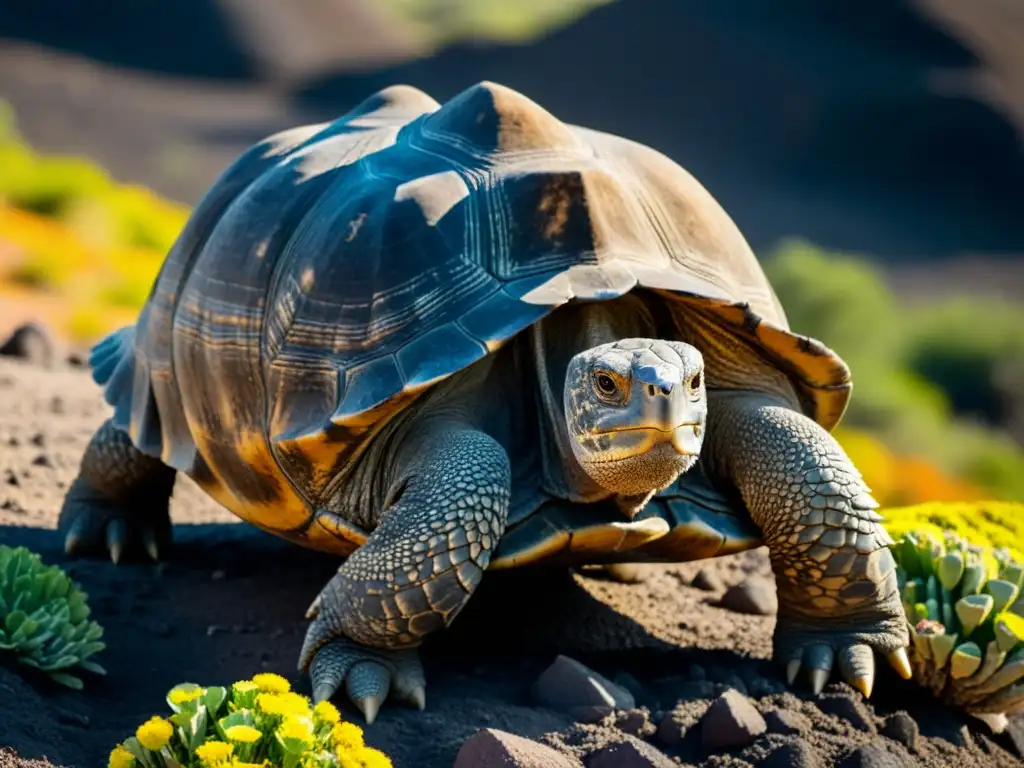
(579, 691)
(38, 440)
(786, 722)
(901, 727)
(871, 756)
(630, 753)
(731, 721)
(709, 581)
(794, 754)
(635, 722)
(30, 342)
(847, 707)
(491, 748)
(671, 729)
(754, 596)
(42, 460)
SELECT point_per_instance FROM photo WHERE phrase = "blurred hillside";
(887, 127)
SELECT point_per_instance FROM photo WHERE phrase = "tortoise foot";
(368, 674)
(94, 525)
(814, 648)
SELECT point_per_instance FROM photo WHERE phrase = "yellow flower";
(245, 686)
(283, 704)
(347, 736)
(214, 752)
(268, 682)
(374, 758)
(298, 728)
(181, 695)
(365, 757)
(244, 733)
(327, 712)
(154, 733)
(236, 763)
(121, 758)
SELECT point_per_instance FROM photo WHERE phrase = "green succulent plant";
(44, 618)
(966, 623)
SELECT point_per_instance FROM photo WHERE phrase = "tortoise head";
(635, 411)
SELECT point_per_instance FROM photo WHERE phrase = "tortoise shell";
(336, 271)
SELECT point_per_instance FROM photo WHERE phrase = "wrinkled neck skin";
(555, 340)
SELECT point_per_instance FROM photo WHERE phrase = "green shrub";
(923, 374)
(257, 722)
(44, 618)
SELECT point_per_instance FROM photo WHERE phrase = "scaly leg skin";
(119, 501)
(835, 575)
(414, 574)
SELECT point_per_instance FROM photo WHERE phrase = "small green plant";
(966, 626)
(44, 618)
(257, 723)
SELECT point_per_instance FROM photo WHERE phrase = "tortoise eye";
(605, 385)
(695, 382)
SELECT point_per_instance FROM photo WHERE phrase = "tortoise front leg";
(448, 510)
(836, 578)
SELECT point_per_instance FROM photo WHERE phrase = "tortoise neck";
(555, 341)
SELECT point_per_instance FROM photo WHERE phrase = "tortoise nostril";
(666, 390)
(652, 390)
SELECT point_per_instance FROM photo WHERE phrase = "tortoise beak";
(671, 409)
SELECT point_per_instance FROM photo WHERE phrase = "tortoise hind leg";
(118, 501)
(415, 573)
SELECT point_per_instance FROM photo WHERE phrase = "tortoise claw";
(369, 706)
(368, 674)
(75, 541)
(151, 543)
(117, 534)
(792, 670)
(418, 698)
(857, 665)
(901, 663)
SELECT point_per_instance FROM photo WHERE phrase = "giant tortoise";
(437, 339)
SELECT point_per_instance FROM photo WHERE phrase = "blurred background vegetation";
(857, 179)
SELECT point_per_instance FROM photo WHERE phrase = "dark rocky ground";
(230, 601)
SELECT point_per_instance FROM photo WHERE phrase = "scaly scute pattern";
(836, 577)
(413, 576)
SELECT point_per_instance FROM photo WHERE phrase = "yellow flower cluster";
(214, 753)
(326, 712)
(121, 758)
(282, 704)
(245, 734)
(268, 682)
(154, 733)
(182, 695)
(253, 720)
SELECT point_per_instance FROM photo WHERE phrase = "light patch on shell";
(354, 226)
(307, 279)
(585, 281)
(435, 194)
(325, 155)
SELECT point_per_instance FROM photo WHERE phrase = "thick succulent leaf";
(43, 617)
(92, 666)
